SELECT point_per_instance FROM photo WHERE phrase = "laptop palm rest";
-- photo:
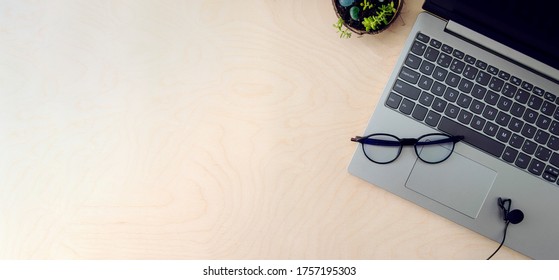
(459, 183)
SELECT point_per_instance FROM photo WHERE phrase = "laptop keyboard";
(504, 115)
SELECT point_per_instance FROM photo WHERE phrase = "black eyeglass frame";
(415, 142)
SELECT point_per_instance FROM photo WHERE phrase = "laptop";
(485, 71)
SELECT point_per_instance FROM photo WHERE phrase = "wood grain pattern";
(198, 130)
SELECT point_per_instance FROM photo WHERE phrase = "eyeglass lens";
(384, 148)
(434, 148)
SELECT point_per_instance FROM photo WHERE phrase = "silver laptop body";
(465, 188)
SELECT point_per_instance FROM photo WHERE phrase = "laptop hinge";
(499, 49)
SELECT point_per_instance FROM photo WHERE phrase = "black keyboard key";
(509, 90)
(491, 97)
(543, 122)
(418, 48)
(406, 106)
(556, 114)
(457, 66)
(496, 84)
(515, 125)
(470, 72)
(549, 175)
(431, 54)
(493, 70)
(435, 43)
(464, 100)
(516, 141)
(393, 101)
(409, 75)
(541, 137)
(529, 147)
(406, 89)
(490, 129)
(458, 54)
(419, 112)
(554, 159)
(522, 96)
(527, 86)
(543, 153)
(548, 108)
(504, 135)
(516, 81)
(477, 107)
(522, 160)
(550, 96)
(470, 59)
(422, 37)
(452, 79)
(425, 82)
(447, 49)
(465, 117)
(472, 137)
(426, 67)
(504, 75)
(482, 65)
(438, 89)
(483, 78)
(413, 61)
(465, 85)
(451, 111)
(478, 91)
(451, 94)
(432, 118)
(503, 119)
(478, 123)
(528, 131)
(444, 60)
(530, 116)
(536, 167)
(517, 110)
(426, 99)
(554, 128)
(439, 105)
(553, 143)
(504, 103)
(510, 154)
(551, 170)
(535, 102)
(490, 113)
(439, 74)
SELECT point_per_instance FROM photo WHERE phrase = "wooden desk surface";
(199, 130)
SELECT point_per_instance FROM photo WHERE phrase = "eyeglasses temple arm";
(454, 139)
(378, 142)
(356, 139)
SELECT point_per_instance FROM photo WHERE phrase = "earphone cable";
(502, 242)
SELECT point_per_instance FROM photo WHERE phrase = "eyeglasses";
(385, 148)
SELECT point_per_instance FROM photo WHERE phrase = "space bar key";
(472, 137)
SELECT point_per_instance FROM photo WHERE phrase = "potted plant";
(365, 16)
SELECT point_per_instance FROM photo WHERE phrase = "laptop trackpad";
(458, 182)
